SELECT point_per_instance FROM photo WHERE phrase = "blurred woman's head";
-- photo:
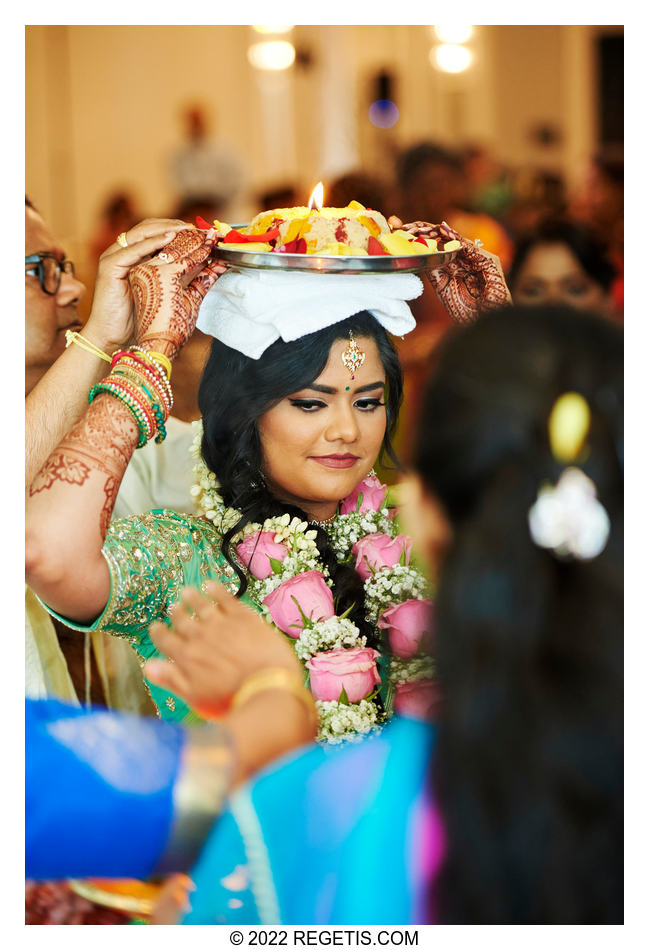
(528, 765)
(561, 262)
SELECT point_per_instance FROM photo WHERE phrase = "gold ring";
(121, 239)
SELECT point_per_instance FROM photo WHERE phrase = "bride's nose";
(342, 426)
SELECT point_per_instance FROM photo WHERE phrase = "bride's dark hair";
(236, 390)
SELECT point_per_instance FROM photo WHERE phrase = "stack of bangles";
(140, 379)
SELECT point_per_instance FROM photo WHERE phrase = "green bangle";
(161, 432)
(159, 415)
(142, 424)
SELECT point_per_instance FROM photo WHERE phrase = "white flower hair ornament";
(568, 518)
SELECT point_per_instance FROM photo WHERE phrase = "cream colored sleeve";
(159, 476)
(46, 670)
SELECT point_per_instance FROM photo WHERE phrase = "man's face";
(47, 317)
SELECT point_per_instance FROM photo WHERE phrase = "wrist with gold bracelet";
(274, 678)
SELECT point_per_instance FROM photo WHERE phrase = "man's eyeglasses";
(49, 269)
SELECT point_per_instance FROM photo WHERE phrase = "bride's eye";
(308, 405)
(368, 405)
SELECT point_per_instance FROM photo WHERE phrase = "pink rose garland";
(380, 550)
(374, 493)
(407, 624)
(256, 550)
(419, 699)
(354, 671)
(311, 593)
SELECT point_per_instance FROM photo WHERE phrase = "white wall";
(103, 104)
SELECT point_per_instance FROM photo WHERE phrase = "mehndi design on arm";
(60, 467)
(102, 441)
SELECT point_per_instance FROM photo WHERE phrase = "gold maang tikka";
(353, 357)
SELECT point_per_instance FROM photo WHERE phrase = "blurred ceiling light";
(272, 54)
(450, 58)
(384, 114)
(453, 32)
(273, 29)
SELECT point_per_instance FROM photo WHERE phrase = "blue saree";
(334, 835)
(98, 791)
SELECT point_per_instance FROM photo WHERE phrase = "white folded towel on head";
(249, 310)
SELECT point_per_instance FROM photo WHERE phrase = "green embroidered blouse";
(151, 558)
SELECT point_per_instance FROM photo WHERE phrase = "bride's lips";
(336, 461)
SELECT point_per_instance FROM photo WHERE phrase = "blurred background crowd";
(512, 134)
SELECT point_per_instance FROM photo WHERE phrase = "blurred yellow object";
(372, 226)
(568, 426)
(295, 229)
(345, 250)
(356, 205)
(128, 894)
(400, 242)
(249, 247)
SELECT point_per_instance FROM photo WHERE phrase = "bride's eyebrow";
(332, 391)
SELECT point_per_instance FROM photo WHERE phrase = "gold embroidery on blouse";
(146, 555)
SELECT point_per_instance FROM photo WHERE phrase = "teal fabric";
(151, 557)
(325, 837)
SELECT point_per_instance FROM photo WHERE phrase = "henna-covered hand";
(472, 282)
(111, 322)
(168, 290)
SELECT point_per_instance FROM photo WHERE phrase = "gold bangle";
(154, 357)
(273, 678)
(161, 358)
(71, 336)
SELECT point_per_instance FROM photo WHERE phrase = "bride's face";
(318, 443)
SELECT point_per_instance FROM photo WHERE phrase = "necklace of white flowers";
(292, 587)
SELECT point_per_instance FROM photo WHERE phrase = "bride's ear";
(424, 519)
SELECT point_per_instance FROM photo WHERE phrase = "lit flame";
(317, 197)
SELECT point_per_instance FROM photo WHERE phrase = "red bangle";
(163, 391)
(136, 393)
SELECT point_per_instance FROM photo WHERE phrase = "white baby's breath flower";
(341, 723)
(336, 633)
(411, 670)
(393, 585)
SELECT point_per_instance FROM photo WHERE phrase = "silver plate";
(334, 263)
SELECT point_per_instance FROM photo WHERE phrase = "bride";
(294, 520)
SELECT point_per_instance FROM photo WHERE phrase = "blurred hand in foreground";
(215, 643)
